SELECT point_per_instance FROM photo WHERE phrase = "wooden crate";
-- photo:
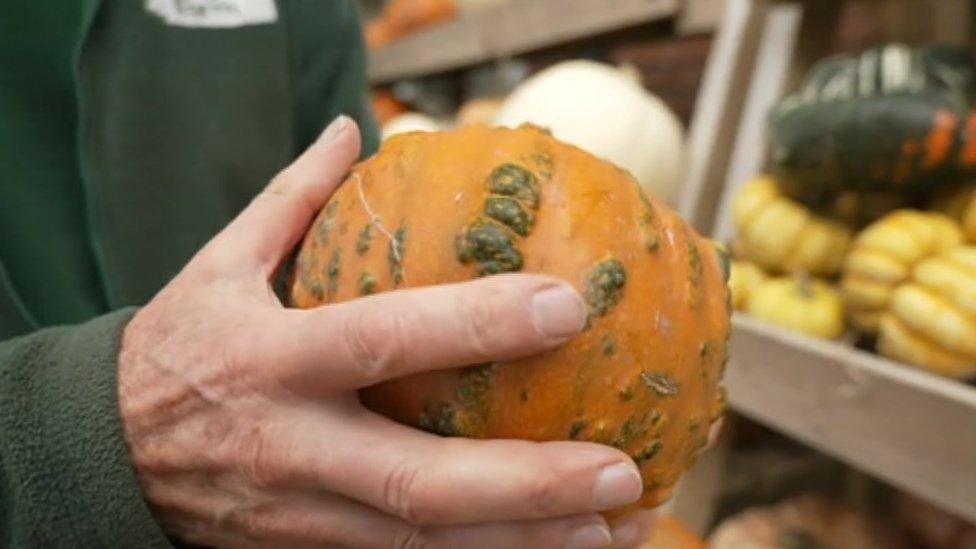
(910, 428)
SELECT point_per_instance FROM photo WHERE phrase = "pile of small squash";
(824, 249)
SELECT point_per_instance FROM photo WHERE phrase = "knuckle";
(400, 493)
(481, 319)
(412, 537)
(256, 457)
(543, 496)
(376, 343)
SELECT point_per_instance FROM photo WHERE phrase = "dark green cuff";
(65, 477)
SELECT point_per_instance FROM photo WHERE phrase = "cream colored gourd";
(931, 320)
(783, 236)
(960, 204)
(743, 280)
(883, 256)
(810, 306)
(411, 122)
(605, 111)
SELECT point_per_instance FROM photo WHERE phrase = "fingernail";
(335, 129)
(633, 530)
(593, 536)
(558, 311)
(617, 485)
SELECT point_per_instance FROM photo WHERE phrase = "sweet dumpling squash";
(931, 321)
(432, 208)
(809, 306)
(882, 257)
(781, 235)
(743, 281)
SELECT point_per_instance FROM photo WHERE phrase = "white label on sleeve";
(213, 13)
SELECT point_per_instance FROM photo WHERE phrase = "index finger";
(359, 343)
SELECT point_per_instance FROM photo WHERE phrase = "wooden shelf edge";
(507, 30)
(910, 428)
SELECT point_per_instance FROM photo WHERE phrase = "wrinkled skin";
(245, 429)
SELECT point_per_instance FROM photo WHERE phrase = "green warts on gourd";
(515, 181)
(647, 452)
(609, 346)
(661, 383)
(491, 240)
(695, 269)
(724, 261)
(648, 232)
(325, 226)
(797, 538)
(395, 255)
(474, 397)
(439, 420)
(604, 286)
(364, 239)
(304, 265)
(576, 428)
(367, 283)
(332, 273)
(509, 212)
(491, 246)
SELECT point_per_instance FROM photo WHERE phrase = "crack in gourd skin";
(660, 383)
(395, 255)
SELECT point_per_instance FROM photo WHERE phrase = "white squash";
(411, 122)
(606, 111)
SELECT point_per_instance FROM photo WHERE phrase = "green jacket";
(130, 132)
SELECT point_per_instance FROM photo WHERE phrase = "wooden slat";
(717, 109)
(768, 83)
(511, 29)
(910, 428)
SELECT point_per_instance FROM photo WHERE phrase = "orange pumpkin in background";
(644, 375)
(401, 17)
(671, 533)
(386, 106)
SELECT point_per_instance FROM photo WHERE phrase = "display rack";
(913, 429)
(908, 427)
(509, 29)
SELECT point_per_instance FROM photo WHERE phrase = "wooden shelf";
(910, 428)
(511, 29)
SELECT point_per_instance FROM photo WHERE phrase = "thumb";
(272, 224)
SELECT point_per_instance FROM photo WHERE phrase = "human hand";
(245, 429)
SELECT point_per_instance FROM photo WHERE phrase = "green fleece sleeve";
(65, 478)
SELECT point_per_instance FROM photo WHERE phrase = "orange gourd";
(671, 533)
(451, 206)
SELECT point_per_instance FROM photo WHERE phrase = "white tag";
(214, 13)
